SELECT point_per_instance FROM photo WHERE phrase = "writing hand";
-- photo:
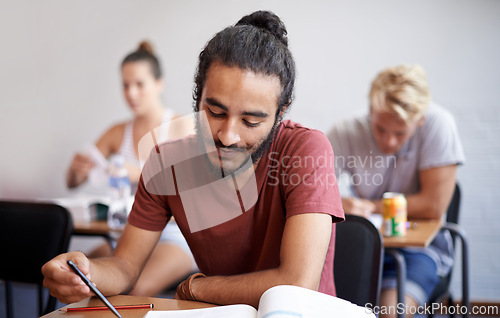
(62, 282)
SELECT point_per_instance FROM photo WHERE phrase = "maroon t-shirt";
(296, 175)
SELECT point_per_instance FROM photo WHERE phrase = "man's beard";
(255, 156)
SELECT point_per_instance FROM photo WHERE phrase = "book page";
(95, 154)
(292, 302)
(231, 311)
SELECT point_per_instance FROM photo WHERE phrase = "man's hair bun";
(268, 21)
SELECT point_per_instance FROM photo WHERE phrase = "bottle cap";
(118, 160)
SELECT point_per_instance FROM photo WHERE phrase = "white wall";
(60, 84)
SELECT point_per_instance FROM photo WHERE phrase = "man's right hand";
(358, 206)
(62, 282)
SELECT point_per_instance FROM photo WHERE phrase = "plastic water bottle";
(119, 193)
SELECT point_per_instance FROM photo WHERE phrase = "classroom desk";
(159, 304)
(99, 228)
(420, 234)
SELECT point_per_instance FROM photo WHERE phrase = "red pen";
(144, 306)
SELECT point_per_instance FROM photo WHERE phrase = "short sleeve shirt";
(294, 176)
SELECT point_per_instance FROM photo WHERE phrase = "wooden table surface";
(420, 234)
(159, 304)
(93, 228)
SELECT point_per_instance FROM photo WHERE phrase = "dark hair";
(145, 53)
(258, 43)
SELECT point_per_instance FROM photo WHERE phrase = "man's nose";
(390, 140)
(229, 134)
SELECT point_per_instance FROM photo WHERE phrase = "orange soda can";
(394, 214)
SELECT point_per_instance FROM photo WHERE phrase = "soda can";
(394, 214)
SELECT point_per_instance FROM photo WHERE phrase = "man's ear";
(284, 109)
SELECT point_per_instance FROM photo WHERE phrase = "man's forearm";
(304, 247)
(436, 190)
(112, 276)
(423, 207)
(241, 289)
(417, 207)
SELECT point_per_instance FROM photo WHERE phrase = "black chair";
(358, 261)
(30, 235)
(442, 292)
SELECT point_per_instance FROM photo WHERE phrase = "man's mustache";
(220, 145)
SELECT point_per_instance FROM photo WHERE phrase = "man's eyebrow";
(256, 114)
(216, 103)
(213, 102)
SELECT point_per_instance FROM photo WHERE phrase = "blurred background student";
(171, 260)
(407, 144)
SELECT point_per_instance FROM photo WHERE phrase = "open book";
(278, 302)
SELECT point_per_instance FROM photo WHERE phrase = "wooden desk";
(159, 304)
(93, 228)
(97, 228)
(420, 236)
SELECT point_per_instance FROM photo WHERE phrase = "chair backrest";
(30, 235)
(358, 261)
(453, 211)
(452, 215)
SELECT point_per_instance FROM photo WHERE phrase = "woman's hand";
(79, 170)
